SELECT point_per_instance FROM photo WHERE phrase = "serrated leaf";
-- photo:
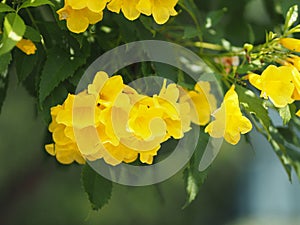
(24, 64)
(294, 158)
(58, 95)
(254, 105)
(5, 8)
(32, 34)
(98, 188)
(193, 178)
(4, 63)
(35, 3)
(285, 114)
(58, 67)
(14, 29)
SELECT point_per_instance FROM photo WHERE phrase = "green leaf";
(285, 114)
(4, 63)
(190, 32)
(58, 67)
(98, 188)
(193, 178)
(279, 145)
(294, 158)
(35, 3)
(58, 95)
(166, 71)
(24, 64)
(5, 8)
(291, 17)
(254, 105)
(32, 34)
(214, 17)
(14, 29)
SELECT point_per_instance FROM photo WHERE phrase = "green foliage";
(193, 178)
(211, 31)
(32, 34)
(5, 8)
(254, 105)
(285, 114)
(58, 67)
(98, 188)
(14, 29)
(4, 63)
(35, 3)
(24, 64)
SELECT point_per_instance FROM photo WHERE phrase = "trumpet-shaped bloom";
(128, 8)
(78, 20)
(64, 146)
(26, 46)
(160, 10)
(229, 121)
(277, 84)
(96, 6)
(291, 44)
(202, 102)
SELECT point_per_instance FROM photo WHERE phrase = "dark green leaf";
(4, 63)
(214, 17)
(166, 71)
(254, 105)
(35, 3)
(14, 29)
(24, 64)
(32, 34)
(5, 8)
(190, 32)
(294, 155)
(58, 67)
(98, 188)
(58, 95)
(193, 178)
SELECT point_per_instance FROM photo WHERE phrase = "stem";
(209, 46)
(36, 26)
(194, 19)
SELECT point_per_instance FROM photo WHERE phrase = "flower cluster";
(110, 120)
(281, 84)
(80, 13)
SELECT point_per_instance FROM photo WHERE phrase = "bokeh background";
(246, 184)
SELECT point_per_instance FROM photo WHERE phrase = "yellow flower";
(110, 120)
(298, 113)
(229, 121)
(78, 20)
(96, 6)
(128, 8)
(291, 44)
(64, 148)
(276, 83)
(26, 46)
(161, 10)
(202, 102)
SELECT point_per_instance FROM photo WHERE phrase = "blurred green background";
(244, 186)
